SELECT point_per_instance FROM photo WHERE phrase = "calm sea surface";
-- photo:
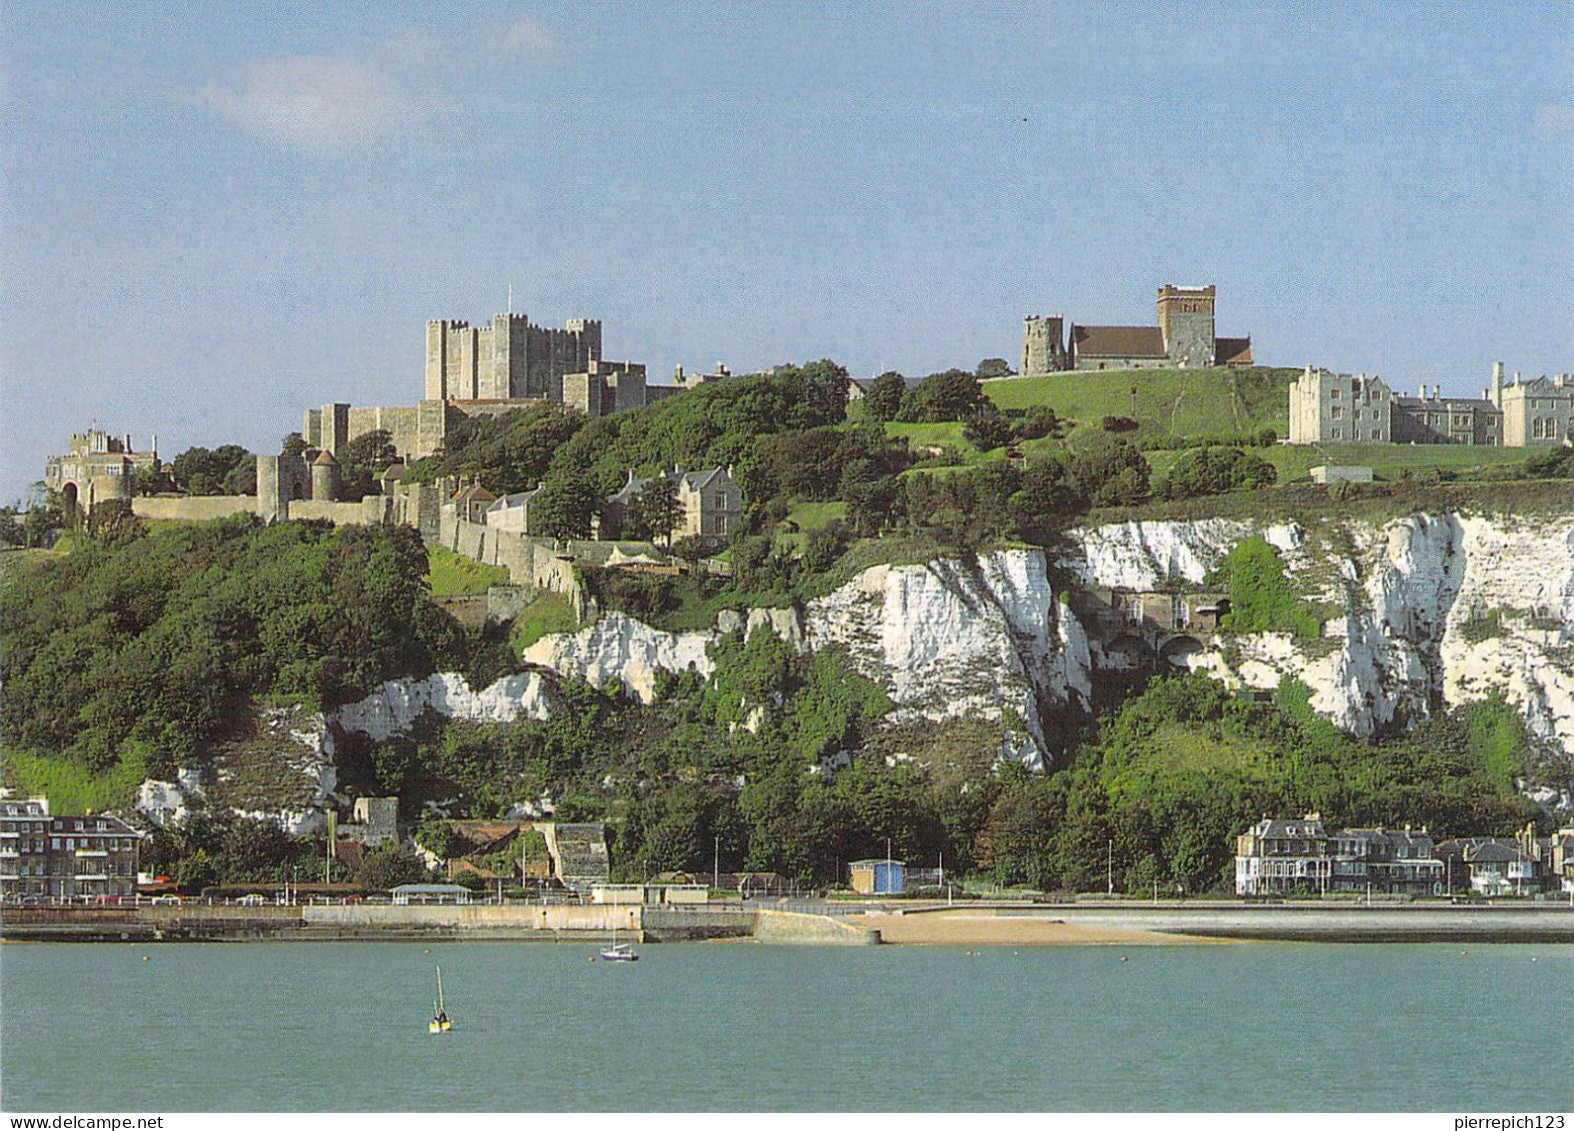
(705, 1026)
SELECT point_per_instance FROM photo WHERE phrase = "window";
(1336, 434)
(54, 843)
(1333, 394)
(1336, 413)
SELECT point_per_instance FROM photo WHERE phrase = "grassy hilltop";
(1168, 402)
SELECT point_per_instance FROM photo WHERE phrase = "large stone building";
(1536, 412)
(710, 504)
(1330, 407)
(476, 371)
(68, 858)
(97, 467)
(1340, 408)
(1183, 339)
(1276, 857)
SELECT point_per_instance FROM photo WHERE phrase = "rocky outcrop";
(1142, 556)
(985, 638)
(617, 649)
(393, 708)
(1431, 610)
(304, 775)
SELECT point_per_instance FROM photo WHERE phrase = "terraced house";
(75, 857)
(1278, 857)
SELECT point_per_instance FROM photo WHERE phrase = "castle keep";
(1183, 339)
(486, 371)
(510, 360)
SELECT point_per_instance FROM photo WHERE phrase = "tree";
(883, 398)
(242, 478)
(987, 431)
(952, 395)
(1110, 472)
(11, 531)
(198, 471)
(1213, 471)
(1048, 492)
(112, 523)
(153, 479)
(992, 367)
(660, 510)
(438, 837)
(292, 445)
(365, 458)
(566, 505)
(388, 867)
(694, 548)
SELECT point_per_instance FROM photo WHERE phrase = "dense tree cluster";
(150, 646)
(1213, 471)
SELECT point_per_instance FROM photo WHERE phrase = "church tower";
(1186, 321)
(1043, 345)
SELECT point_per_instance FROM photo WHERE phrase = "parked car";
(252, 900)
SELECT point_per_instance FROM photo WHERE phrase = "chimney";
(1421, 391)
(1437, 391)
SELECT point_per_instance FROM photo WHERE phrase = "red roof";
(1232, 351)
(1117, 341)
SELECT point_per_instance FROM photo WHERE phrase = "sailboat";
(439, 1022)
(619, 952)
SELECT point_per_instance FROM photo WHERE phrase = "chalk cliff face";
(305, 745)
(990, 638)
(1433, 609)
(982, 639)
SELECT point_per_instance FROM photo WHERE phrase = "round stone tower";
(325, 478)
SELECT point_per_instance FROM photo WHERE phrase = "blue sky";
(212, 217)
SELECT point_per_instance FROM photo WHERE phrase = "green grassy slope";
(1169, 402)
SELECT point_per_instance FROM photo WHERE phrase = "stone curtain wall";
(529, 561)
(196, 509)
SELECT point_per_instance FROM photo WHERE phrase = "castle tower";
(1043, 345)
(325, 478)
(1186, 321)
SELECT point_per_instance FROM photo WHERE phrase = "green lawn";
(812, 516)
(453, 575)
(1387, 461)
(1168, 402)
(548, 613)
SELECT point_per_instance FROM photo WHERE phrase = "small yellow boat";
(439, 1022)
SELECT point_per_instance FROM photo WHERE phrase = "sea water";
(329, 1026)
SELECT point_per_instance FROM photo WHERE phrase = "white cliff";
(304, 746)
(1141, 556)
(1431, 609)
(986, 639)
(619, 649)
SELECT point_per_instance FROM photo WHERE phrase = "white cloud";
(340, 104)
(309, 101)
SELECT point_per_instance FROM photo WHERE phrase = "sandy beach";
(971, 928)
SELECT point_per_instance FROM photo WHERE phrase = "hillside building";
(1328, 407)
(1183, 339)
(710, 501)
(97, 467)
(1336, 408)
(1535, 413)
